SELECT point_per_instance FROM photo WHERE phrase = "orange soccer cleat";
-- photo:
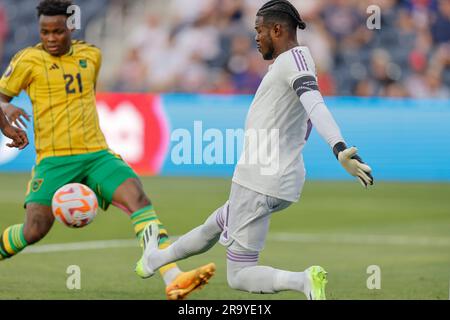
(187, 282)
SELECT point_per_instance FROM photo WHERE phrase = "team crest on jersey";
(36, 184)
(8, 71)
(83, 64)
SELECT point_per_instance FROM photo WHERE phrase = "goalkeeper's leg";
(244, 273)
(196, 241)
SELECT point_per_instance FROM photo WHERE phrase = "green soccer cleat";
(316, 282)
(150, 241)
(141, 271)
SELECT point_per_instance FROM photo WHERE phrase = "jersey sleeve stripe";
(296, 60)
(304, 67)
(304, 60)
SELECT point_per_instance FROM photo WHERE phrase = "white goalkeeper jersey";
(276, 130)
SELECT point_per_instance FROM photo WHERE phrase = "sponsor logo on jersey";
(54, 67)
(83, 64)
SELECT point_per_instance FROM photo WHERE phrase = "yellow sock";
(12, 241)
(140, 219)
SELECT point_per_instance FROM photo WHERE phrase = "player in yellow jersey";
(60, 77)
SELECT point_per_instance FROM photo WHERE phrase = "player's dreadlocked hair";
(281, 10)
(53, 8)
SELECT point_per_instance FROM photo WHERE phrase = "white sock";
(244, 273)
(192, 243)
(287, 280)
(253, 279)
(160, 257)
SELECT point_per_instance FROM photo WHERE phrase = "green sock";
(140, 219)
(12, 241)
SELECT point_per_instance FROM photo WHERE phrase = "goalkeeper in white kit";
(287, 103)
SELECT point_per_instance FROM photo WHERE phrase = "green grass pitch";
(401, 227)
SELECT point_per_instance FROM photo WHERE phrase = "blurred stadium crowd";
(208, 46)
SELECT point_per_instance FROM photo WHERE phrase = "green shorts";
(102, 171)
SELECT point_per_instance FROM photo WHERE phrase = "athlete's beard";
(270, 51)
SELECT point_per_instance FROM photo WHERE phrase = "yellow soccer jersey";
(62, 91)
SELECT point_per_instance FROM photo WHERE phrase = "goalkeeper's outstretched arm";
(307, 89)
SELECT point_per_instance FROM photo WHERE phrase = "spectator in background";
(222, 83)
(428, 85)
(194, 76)
(3, 28)
(200, 38)
(166, 66)
(434, 85)
(132, 74)
(379, 69)
(441, 23)
(393, 89)
(364, 88)
(441, 60)
(341, 19)
(153, 29)
(187, 11)
(406, 37)
(415, 84)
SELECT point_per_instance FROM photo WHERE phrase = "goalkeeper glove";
(353, 164)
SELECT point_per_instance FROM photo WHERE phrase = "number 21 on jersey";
(70, 86)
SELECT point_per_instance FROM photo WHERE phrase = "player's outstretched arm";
(18, 136)
(312, 100)
(353, 163)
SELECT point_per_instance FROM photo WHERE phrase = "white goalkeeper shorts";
(245, 217)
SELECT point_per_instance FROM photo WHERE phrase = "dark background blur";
(207, 45)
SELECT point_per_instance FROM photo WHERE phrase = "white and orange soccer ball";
(75, 205)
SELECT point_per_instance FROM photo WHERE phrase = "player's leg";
(38, 222)
(130, 196)
(194, 242)
(115, 182)
(244, 273)
(249, 234)
(46, 177)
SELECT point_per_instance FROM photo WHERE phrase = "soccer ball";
(75, 205)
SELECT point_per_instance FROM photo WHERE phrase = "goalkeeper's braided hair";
(282, 10)
(53, 8)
